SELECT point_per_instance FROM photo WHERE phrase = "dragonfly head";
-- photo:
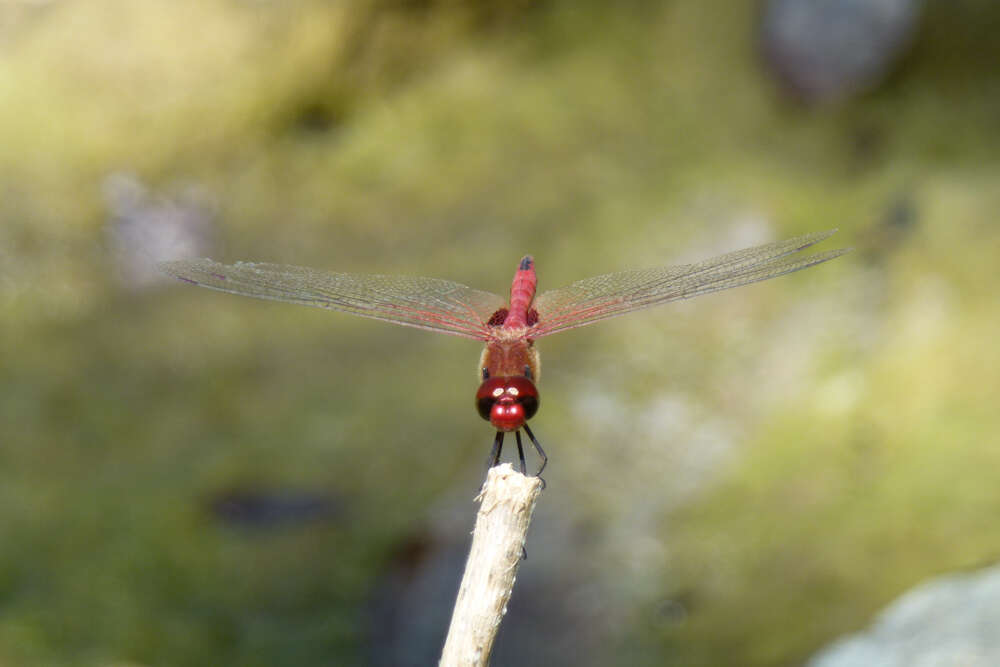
(507, 402)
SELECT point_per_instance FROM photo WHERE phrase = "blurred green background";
(192, 478)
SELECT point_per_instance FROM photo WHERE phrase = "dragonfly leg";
(494, 458)
(520, 452)
(538, 448)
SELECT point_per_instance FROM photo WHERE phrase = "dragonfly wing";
(601, 297)
(425, 303)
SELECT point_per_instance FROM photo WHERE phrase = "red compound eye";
(507, 402)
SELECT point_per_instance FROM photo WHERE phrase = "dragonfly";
(509, 366)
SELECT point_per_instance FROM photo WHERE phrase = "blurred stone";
(144, 228)
(949, 621)
(274, 509)
(826, 50)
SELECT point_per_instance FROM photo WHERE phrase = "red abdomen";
(522, 292)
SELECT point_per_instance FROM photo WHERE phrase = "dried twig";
(506, 503)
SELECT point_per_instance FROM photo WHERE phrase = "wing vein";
(424, 303)
(610, 295)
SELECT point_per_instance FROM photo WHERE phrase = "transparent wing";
(425, 303)
(601, 297)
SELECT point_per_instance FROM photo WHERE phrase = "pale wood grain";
(506, 504)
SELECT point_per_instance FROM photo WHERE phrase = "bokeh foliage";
(447, 139)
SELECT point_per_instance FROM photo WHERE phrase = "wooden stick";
(506, 503)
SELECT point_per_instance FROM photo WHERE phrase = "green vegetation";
(856, 401)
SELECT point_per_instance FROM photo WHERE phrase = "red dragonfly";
(509, 365)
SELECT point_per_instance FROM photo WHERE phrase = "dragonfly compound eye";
(507, 402)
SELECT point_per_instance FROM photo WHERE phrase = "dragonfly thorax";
(507, 402)
(509, 353)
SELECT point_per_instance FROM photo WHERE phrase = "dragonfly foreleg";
(538, 448)
(494, 458)
(520, 452)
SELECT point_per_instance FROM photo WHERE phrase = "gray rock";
(144, 228)
(826, 50)
(951, 621)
